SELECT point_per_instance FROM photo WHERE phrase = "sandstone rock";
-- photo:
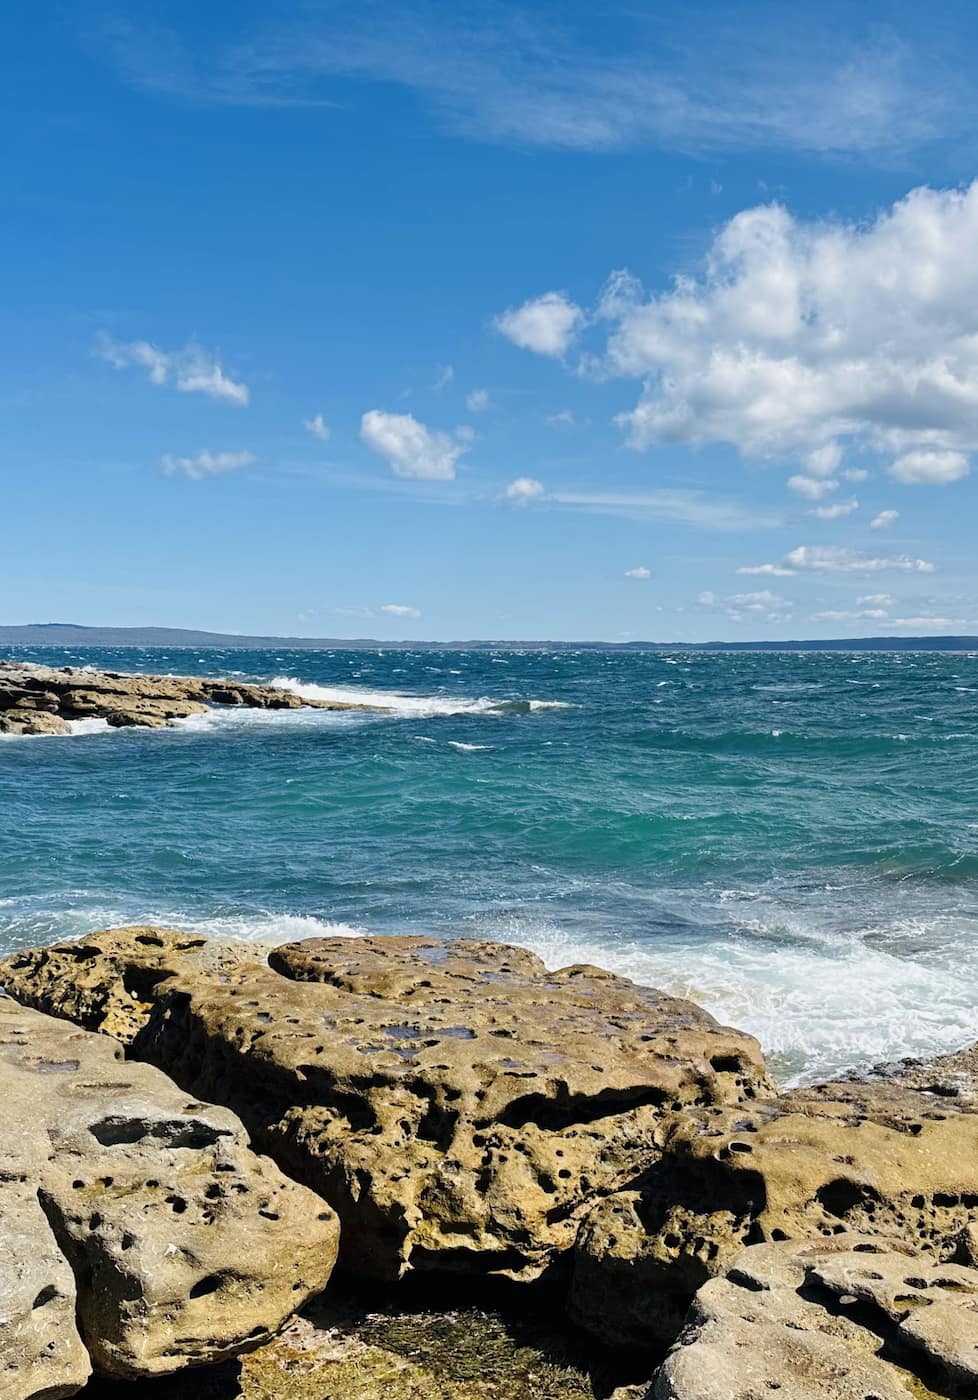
(41, 1351)
(845, 1318)
(41, 699)
(24, 720)
(880, 1158)
(186, 1248)
(460, 1106)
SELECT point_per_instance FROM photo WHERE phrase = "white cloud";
(524, 489)
(400, 610)
(563, 419)
(832, 559)
(412, 449)
(444, 374)
(930, 624)
(864, 614)
(707, 598)
(547, 325)
(875, 600)
(640, 572)
(885, 520)
(803, 340)
(930, 467)
(824, 460)
(206, 464)
(477, 401)
(191, 370)
(763, 601)
(318, 427)
(855, 474)
(836, 512)
(812, 487)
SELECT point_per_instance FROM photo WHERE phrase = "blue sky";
(449, 321)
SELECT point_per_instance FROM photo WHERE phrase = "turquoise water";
(790, 839)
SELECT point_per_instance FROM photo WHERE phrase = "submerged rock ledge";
(45, 699)
(469, 1115)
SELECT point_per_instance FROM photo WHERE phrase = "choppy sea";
(789, 839)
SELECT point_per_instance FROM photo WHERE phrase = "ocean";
(789, 839)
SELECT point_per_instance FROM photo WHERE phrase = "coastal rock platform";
(460, 1107)
(567, 1136)
(45, 699)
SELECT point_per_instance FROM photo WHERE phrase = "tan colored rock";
(186, 1247)
(41, 1352)
(880, 1158)
(41, 699)
(844, 1317)
(25, 720)
(461, 1107)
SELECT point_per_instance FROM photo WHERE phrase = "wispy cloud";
(192, 370)
(523, 74)
(400, 610)
(694, 508)
(207, 464)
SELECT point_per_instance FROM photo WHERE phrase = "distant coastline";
(72, 634)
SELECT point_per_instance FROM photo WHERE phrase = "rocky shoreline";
(456, 1121)
(38, 700)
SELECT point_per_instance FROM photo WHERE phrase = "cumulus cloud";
(524, 489)
(477, 401)
(832, 559)
(807, 340)
(412, 449)
(400, 610)
(547, 325)
(640, 572)
(837, 511)
(885, 520)
(929, 467)
(318, 427)
(191, 370)
(206, 464)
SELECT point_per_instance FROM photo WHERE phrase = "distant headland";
(75, 634)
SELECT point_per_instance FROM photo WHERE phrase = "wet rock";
(881, 1158)
(846, 1317)
(461, 1107)
(43, 699)
(186, 1248)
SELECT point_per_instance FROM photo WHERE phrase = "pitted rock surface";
(186, 1248)
(845, 1317)
(460, 1106)
(44, 699)
(41, 1350)
(880, 1158)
